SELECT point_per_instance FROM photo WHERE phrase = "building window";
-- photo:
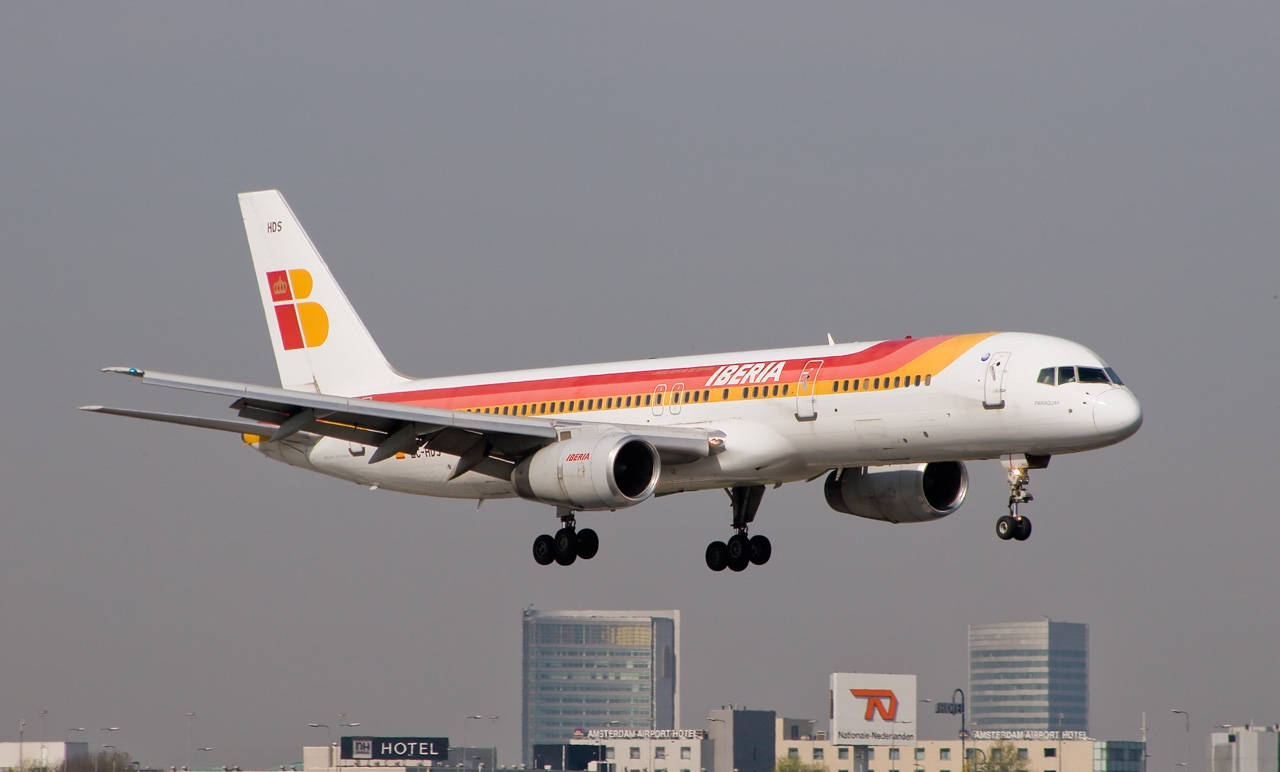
(843, 753)
(793, 753)
(944, 754)
(919, 754)
(1050, 753)
(635, 752)
(609, 753)
(871, 754)
(893, 753)
(1022, 753)
(685, 752)
(660, 752)
(817, 754)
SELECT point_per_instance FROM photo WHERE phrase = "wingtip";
(134, 371)
(92, 408)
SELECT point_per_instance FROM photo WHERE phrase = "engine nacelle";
(908, 493)
(594, 471)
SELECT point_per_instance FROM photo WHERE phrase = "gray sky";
(520, 185)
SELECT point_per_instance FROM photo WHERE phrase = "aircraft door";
(658, 393)
(993, 380)
(677, 392)
(806, 391)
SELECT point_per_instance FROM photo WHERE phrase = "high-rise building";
(587, 670)
(1029, 675)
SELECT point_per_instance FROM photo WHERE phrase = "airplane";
(888, 423)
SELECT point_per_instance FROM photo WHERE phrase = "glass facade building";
(1029, 675)
(588, 670)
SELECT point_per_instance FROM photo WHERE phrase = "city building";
(1245, 748)
(1029, 676)
(598, 670)
(647, 750)
(742, 740)
(40, 754)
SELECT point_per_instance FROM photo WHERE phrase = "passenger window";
(524, 410)
(686, 397)
(562, 406)
(628, 400)
(725, 395)
(590, 404)
(755, 391)
(542, 407)
(917, 380)
(855, 384)
(1092, 375)
(846, 385)
(648, 400)
(580, 404)
(775, 389)
(877, 383)
(745, 392)
(897, 381)
(785, 388)
(928, 379)
(504, 409)
(706, 395)
(866, 383)
(609, 403)
(835, 385)
(1045, 377)
(1066, 374)
(695, 395)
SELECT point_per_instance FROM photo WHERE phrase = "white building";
(39, 754)
(1245, 748)
(650, 750)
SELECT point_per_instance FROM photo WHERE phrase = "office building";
(590, 670)
(1029, 675)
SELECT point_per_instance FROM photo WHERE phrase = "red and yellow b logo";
(302, 325)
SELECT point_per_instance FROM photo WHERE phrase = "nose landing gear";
(741, 550)
(1016, 525)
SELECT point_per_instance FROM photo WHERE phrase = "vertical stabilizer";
(319, 342)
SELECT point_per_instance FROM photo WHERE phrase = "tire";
(1022, 531)
(566, 546)
(1006, 528)
(759, 549)
(588, 543)
(739, 547)
(717, 556)
(739, 564)
(544, 550)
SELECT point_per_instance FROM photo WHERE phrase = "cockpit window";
(1111, 373)
(1046, 376)
(1067, 374)
(1092, 375)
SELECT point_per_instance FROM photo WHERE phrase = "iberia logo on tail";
(302, 325)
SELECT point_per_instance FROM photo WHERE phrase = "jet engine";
(907, 493)
(595, 471)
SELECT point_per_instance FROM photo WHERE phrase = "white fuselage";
(964, 397)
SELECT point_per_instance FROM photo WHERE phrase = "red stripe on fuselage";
(883, 357)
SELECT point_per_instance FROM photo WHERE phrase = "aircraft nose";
(1116, 413)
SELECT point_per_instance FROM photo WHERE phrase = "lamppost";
(492, 722)
(191, 743)
(1186, 715)
(328, 730)
(113, 756)
(954, 707)
(112, 747)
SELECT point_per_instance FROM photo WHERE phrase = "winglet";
(135, 372)
(830, 340)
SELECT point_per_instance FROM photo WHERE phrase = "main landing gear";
(1016, 525)
(567, 545)
(741, 550)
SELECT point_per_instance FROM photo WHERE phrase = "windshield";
(1061, 374)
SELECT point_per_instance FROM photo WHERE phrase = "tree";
(1004, 757)
(794, 764)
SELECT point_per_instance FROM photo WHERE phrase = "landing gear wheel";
(740, 563)
(1006, 527)
(588, 544)
(759, 549)
(717, 556)
(566, 546)
(544, 550)
(739, 547)
(1022, 530)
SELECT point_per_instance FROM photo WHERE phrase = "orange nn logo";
(876, 703)
(302, 325)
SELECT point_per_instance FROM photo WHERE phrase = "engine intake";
(908, 493)
(598, 471)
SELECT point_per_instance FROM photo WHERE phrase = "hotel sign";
(1030, 735)
(640, 734)
(395, 748)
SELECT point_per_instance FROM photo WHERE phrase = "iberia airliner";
(887, 423)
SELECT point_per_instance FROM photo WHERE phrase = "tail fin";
(320, 343)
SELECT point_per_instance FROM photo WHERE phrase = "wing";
(489, 444)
